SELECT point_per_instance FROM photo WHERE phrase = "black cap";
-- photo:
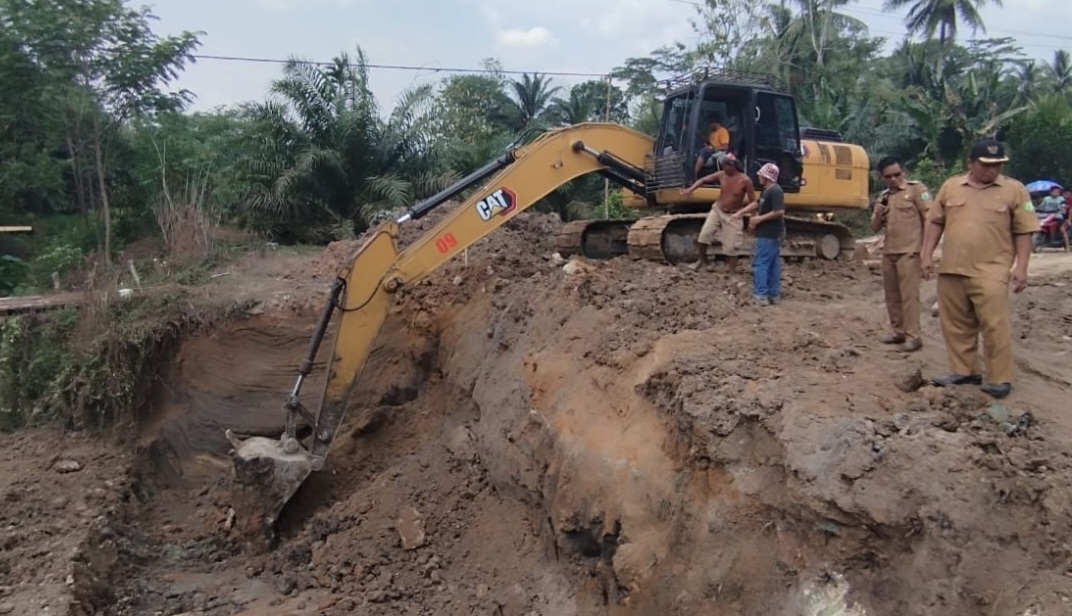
(988, 151)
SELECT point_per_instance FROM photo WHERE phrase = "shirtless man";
(737, 191)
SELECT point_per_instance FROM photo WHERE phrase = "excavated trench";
(619, 440)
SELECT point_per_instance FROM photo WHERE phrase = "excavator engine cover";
(266, 477)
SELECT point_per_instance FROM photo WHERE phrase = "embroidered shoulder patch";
(1029, 207)
(926, 196)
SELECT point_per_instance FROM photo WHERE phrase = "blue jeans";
(767, 269)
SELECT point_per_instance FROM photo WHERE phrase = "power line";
(878, 12)
(398, 67)
(605, 75)
(987, 29)
(865, 9)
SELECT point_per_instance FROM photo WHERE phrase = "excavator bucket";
(266, 476)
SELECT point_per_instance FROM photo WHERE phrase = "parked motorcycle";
(1049, 236)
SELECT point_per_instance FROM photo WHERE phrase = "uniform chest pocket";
(996, 207)
(955, 205)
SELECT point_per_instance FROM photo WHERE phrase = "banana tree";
(924, 120)
(976, 105)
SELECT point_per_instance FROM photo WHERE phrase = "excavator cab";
(760, 117)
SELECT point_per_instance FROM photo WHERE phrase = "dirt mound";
(612, 438)
(516, 240)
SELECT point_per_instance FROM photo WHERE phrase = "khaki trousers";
(968, 307)
(900, 281)
(719, 225)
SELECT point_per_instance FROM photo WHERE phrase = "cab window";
(675, 133)
(778, 135)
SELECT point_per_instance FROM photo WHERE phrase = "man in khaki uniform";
(988, 221)
(901, 209)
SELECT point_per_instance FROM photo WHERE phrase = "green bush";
(33, 353)
(13, 274)
(930, 173)
(59, 258)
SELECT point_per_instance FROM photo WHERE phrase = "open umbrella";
(1042, 186)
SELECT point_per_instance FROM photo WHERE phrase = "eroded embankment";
(731, 465)
(624, 439)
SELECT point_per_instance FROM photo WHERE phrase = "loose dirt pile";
(612, 438)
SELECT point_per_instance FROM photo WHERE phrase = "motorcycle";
(1049, 235)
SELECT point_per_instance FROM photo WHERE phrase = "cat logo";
(500, 202)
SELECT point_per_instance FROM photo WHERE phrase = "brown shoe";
(892, 339)
(911, 345)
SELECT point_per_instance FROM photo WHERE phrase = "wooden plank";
(16, 229)
(35, 303)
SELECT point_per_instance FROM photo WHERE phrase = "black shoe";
(997, 390)
(957, 379)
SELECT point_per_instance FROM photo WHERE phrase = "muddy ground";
(610, 438)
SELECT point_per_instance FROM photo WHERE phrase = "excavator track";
(671, 238)
(595, 239)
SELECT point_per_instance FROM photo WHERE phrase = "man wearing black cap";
(988, 220)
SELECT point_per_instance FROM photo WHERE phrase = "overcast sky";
(586, 36)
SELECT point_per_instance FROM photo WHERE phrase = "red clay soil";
(608, 438)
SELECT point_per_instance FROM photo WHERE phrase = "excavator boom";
(269, 471)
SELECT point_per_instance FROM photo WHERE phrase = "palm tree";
(941, 16)
(821, 24)
(323, 162)
(1060, 71)
(581, 106)
(1027, 77)
(532, 96)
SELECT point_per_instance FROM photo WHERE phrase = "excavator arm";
(270, 471)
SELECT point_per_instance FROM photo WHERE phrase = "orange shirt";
(720, 138)
(980, 223)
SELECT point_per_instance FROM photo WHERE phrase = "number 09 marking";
(446, 242)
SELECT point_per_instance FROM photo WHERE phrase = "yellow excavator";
(818, 176)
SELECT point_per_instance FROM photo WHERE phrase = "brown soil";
(615, 438)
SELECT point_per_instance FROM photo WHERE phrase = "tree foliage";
(99, 65)
(93, 135)
(1040, 140)
(322, 162)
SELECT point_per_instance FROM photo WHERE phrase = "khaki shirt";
(980, 223)
(905, 213)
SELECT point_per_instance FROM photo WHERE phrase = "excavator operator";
(715, 150)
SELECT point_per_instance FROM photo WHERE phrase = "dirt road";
(615, 438)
